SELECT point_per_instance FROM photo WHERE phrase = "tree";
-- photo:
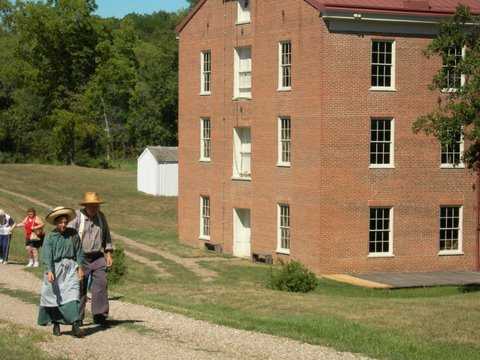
(193, 3)
(458, 110)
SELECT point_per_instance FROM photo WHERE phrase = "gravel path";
(164, 335)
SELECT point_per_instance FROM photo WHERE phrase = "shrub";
(293, 277)
(119, 267)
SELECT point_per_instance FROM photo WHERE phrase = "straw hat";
(60, 211)
(91, 198)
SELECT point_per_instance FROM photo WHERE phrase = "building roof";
(164, 153)
(413, 7)
(399, 7)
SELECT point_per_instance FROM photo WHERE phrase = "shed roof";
(409, 7)
(164, 153)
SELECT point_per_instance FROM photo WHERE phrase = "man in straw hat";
(62, 258)
(94, 233)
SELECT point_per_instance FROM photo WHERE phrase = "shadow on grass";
(469, 288)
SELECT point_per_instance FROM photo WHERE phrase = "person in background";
(62, 258)
(94, 233)
(32, 224)
(6, 225)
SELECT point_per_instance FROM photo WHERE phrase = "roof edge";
(399, 11)
(189, 16)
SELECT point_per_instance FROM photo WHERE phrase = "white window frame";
(237, 93)
(281, 66)
(392, 71)
(389, 253)
(280, 249)
(205, 140)
(281, 140)
(205, 73)
(204, 217)
(243, 12)
(391, 164)
(241, 151)
(462, 76)
(460, 164)
(458, 251)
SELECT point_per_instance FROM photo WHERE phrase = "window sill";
(205, 160)
(238, 178)
(448, 91)
(381, 255)
(284, 165)
(283, 251)
(204, 238)
(451, 166)
(243, 22)
(386, 89)
(205, 94)
(236, 98)
(381, 166)
(450, 253)
(287, 89)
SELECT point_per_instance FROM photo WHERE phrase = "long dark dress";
(62, 254)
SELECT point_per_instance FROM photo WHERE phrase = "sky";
(120, 8)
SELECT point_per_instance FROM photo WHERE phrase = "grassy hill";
(435, 323)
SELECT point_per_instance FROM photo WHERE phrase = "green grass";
(424, 323)
(20, 343)
(25, 296)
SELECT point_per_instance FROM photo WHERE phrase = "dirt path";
(144, 333)
(191, 264)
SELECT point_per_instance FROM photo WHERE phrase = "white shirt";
(6, 225)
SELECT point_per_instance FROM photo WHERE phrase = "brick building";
(295, 136)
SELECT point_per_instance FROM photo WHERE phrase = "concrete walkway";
(410, 280)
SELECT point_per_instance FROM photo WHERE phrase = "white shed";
(157, 171)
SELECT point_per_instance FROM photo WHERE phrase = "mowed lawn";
(434, 323)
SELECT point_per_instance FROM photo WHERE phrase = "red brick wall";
(329, 186)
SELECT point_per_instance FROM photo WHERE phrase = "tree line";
(80, 89)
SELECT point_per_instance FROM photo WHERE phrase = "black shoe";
(100, 320)
(77, 332)
(56, 329)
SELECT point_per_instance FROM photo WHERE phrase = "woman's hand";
(51, 277)
(80, 273)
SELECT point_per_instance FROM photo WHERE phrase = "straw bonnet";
(60, 211)
(91, 198)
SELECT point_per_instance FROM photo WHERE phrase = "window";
(284, 141)
(451, 155)
(285, 66)
(243, 11)
(243, 73)
(205, 217)
(452, 78)
(381, 233)
(242, 153)
(451, 229)
(283, 228)
(206, 73)
(205, 139)
(381, 143)
(383, 65)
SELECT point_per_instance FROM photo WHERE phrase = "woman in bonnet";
(62, 258)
